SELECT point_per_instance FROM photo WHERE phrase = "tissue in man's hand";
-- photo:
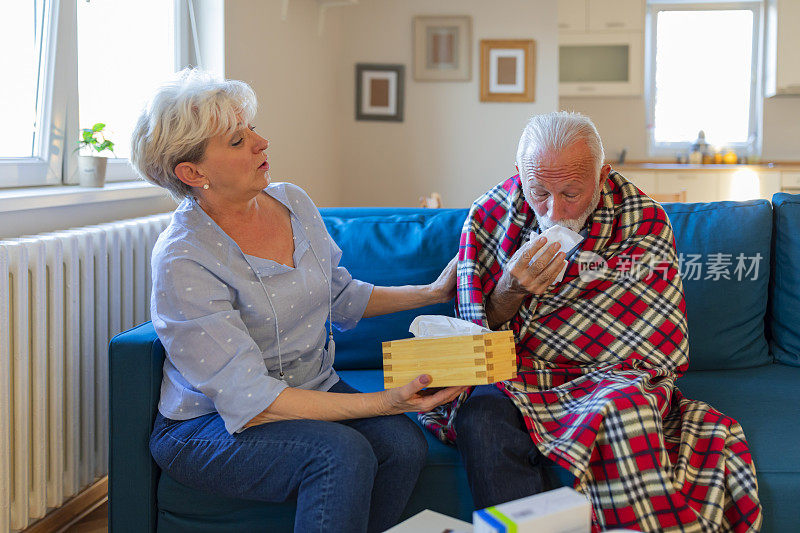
(564, 236)
(444, 326)
(452, 351)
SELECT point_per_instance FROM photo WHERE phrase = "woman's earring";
(205, 186)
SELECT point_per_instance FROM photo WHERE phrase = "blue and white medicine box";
(556, 511)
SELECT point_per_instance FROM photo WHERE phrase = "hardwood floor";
(86, 512)
(94, 522)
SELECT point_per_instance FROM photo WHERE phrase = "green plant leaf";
(98, 127)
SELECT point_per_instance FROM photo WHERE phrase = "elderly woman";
(244, 279)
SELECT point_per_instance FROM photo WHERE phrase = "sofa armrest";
(136, 357)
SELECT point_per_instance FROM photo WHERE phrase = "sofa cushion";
(766, 402)
(388, 246)
(185, 509)
(785, 285)
(726, 316)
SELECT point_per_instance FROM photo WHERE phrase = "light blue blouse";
(218, 312)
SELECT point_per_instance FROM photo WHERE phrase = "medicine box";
(451, 361)
(556, 511)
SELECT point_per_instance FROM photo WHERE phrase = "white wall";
(621, 122)
(292, 70)
(449, 142)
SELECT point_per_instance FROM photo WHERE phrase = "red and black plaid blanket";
(598, 357)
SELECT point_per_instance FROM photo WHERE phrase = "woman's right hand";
(410, 398)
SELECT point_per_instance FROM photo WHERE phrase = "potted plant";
(91, 167)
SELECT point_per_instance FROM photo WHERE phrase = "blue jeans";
(353, 475)
(501, 460)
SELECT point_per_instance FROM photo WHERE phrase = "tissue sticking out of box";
(433, 326)
(567, 238)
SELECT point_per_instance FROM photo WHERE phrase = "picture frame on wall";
(508, 70)
(379, 92)
(442, 48)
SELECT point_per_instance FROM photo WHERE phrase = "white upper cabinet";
(601, 47)
(601, 64)
(783, 42)
(578, 16)
(616, 15)
(572, 15)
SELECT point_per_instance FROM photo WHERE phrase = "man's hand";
(521, 277)
(411, 398)
(524, 277)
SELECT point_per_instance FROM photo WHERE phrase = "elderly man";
(598, 354)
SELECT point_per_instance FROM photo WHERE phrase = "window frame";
(41, 168)
(56, 162)
(755, 123)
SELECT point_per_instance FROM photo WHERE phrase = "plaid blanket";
(598, 357)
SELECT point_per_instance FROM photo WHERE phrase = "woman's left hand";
(444, 288)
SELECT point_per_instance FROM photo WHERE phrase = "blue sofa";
(744, 339)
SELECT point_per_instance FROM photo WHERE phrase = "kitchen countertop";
(645, 165)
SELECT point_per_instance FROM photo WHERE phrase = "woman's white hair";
(551, 133)
(180, 118)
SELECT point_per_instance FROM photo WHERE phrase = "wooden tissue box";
(451, 361)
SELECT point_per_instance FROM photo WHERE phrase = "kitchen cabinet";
(601, 64)
(572, 15)
(790, 181)
(769, 184)
(646, 181)
(748, 184)
(616, 15)
(600, 15)
(782, 42)
(699, 186)
(735, 183)
(601, 47)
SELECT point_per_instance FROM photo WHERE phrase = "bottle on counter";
(699, 151)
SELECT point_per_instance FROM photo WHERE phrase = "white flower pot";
(91, 171)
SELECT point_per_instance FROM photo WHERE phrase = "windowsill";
(23, 199)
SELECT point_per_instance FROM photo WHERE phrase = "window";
(18, 93)
(702, 74)
(24, 140)
(118, 68)
(75, 63)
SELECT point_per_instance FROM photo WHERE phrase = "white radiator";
(63, 295)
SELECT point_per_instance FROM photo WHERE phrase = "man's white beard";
(575, 224)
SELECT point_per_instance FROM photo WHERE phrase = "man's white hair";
(551, 133)
(180, 118)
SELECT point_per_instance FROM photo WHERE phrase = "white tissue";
(444, 326)
(564, 236)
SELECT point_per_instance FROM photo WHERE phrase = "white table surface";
(429, 521)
